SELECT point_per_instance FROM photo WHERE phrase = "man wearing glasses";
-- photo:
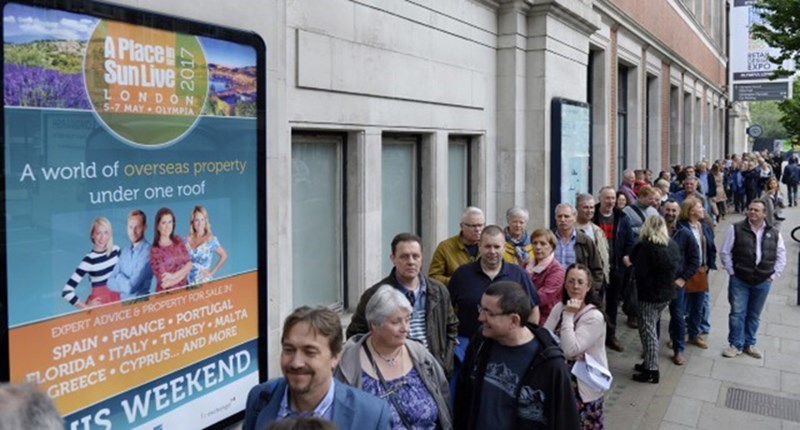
(514, 375)
(460, 249)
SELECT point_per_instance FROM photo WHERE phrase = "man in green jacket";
(460, 249)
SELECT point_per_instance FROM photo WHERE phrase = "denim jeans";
(792, 194)
(677, 320)
(697, 312)
(747, 301)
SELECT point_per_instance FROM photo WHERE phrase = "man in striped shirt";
(433, 322)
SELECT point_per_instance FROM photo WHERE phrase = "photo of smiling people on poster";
(98, 264)
(132, 275)
(202, 245)
(168, 257)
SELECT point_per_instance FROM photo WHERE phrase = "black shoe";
(650, 376)
(633, 322)
(639, 367)
(614, 344)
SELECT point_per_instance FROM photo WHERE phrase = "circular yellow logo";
(147, 86)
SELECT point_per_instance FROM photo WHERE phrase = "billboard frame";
(160, 21)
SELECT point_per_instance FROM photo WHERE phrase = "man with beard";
(433, 322)
(311, 344)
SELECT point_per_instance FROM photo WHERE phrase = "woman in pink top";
(581, 327)
(546, 273)
(168, 257)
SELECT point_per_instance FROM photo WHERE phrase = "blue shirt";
(565, 252)
(468, 284)
(132, 275)
(323, 410)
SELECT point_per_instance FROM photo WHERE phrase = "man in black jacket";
(433, 322)
(514, 375)
(608, 216)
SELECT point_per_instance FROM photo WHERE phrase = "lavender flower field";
(39, 87)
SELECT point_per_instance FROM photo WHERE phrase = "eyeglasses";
(477, 226)
(482, 310)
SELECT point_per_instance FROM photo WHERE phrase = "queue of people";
(493, 336)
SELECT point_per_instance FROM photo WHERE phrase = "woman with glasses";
(581, 327)
(385, 363)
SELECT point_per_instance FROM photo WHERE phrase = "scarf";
(519, 245)
(541, 265)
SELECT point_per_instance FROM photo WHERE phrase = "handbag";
(698, 283)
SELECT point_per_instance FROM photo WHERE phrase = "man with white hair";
(518, 244)
(573, 246)
(460, 249)
(628, 181)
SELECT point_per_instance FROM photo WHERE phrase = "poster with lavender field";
(133, 157)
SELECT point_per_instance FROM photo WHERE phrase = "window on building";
(318, 242)
(458, 180)
(688, 119)
(648, 140)
(674, 125)
(399, 189)
(622, 120)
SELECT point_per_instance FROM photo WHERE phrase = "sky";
(22, 24)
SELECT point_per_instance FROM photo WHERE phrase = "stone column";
(556, 62)
(364, 257)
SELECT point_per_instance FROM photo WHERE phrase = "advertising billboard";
(750, 67)
(133, 246)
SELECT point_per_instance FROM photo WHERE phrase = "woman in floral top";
(168, 257)
(202, 245)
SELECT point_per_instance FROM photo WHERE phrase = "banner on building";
(750, 67)
(133, 246)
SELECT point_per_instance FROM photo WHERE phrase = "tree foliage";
(770, 116)
(791, 114)
(780, 29)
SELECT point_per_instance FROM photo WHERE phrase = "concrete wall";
(483, 68)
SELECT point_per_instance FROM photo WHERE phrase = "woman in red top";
(168, 257)
(546, 273)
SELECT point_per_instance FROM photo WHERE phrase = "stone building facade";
(393, 115)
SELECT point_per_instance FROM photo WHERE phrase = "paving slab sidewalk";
(693, 396)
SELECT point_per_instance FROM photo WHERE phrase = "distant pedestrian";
(791, 177)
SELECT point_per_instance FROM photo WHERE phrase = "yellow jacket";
(511, 254)
(450, 254)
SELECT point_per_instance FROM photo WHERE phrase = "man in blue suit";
(311, 343)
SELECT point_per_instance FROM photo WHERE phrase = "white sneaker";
(731, 352)
(753, 351)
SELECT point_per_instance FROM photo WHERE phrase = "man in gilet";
(753, 255)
